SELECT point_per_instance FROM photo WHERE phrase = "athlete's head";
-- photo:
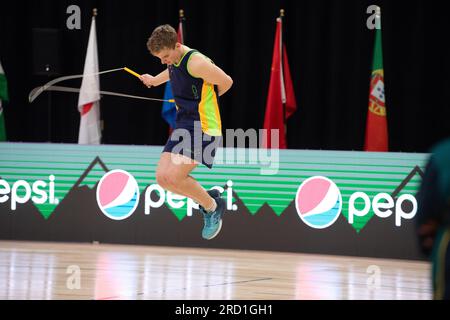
(163, 43)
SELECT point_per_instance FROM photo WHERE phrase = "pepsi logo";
(117, 194)
(318, 202)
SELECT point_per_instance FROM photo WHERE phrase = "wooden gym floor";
(36, 270)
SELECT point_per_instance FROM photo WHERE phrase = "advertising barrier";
(325, 202)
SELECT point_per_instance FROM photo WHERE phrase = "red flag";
(180, 33)
(281, 94)
(291, 104)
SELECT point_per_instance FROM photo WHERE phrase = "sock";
(213, 207)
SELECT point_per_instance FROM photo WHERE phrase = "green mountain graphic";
(408, 185)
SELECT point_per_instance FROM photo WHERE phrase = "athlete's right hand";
(147, 80)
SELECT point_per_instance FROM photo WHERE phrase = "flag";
(3, 97)
(89, 99)
(281, 103)
(169, 111)
(376, 126)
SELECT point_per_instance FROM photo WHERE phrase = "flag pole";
(94, 16)
(180, 23)
(282, 71)
(377, 17)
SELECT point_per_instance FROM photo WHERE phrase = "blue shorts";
(201, 147)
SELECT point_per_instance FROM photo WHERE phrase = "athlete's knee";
(167, 179)
(162, 178)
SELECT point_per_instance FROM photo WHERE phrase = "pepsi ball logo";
(117, 194)
(318, 202)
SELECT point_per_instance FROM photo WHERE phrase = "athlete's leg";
(173, 174)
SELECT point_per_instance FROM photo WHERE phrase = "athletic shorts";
(200, 147)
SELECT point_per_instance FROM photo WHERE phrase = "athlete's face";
(169, 56)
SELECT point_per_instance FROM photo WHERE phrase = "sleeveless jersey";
(195, 99)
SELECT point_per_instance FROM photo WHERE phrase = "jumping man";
(197, 84)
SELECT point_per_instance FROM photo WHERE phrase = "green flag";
(3, 97)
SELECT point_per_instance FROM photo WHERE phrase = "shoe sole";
(217, 232)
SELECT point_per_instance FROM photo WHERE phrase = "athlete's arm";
(151, 81)
(200, 67)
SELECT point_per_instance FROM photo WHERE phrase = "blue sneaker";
(213, 220)
(214, 193)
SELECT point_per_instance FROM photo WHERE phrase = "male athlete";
(197, 84)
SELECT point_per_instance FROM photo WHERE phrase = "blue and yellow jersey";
(195, 99)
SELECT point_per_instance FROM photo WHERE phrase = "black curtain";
(330, 51)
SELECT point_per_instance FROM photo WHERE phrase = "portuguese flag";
(376, 126)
